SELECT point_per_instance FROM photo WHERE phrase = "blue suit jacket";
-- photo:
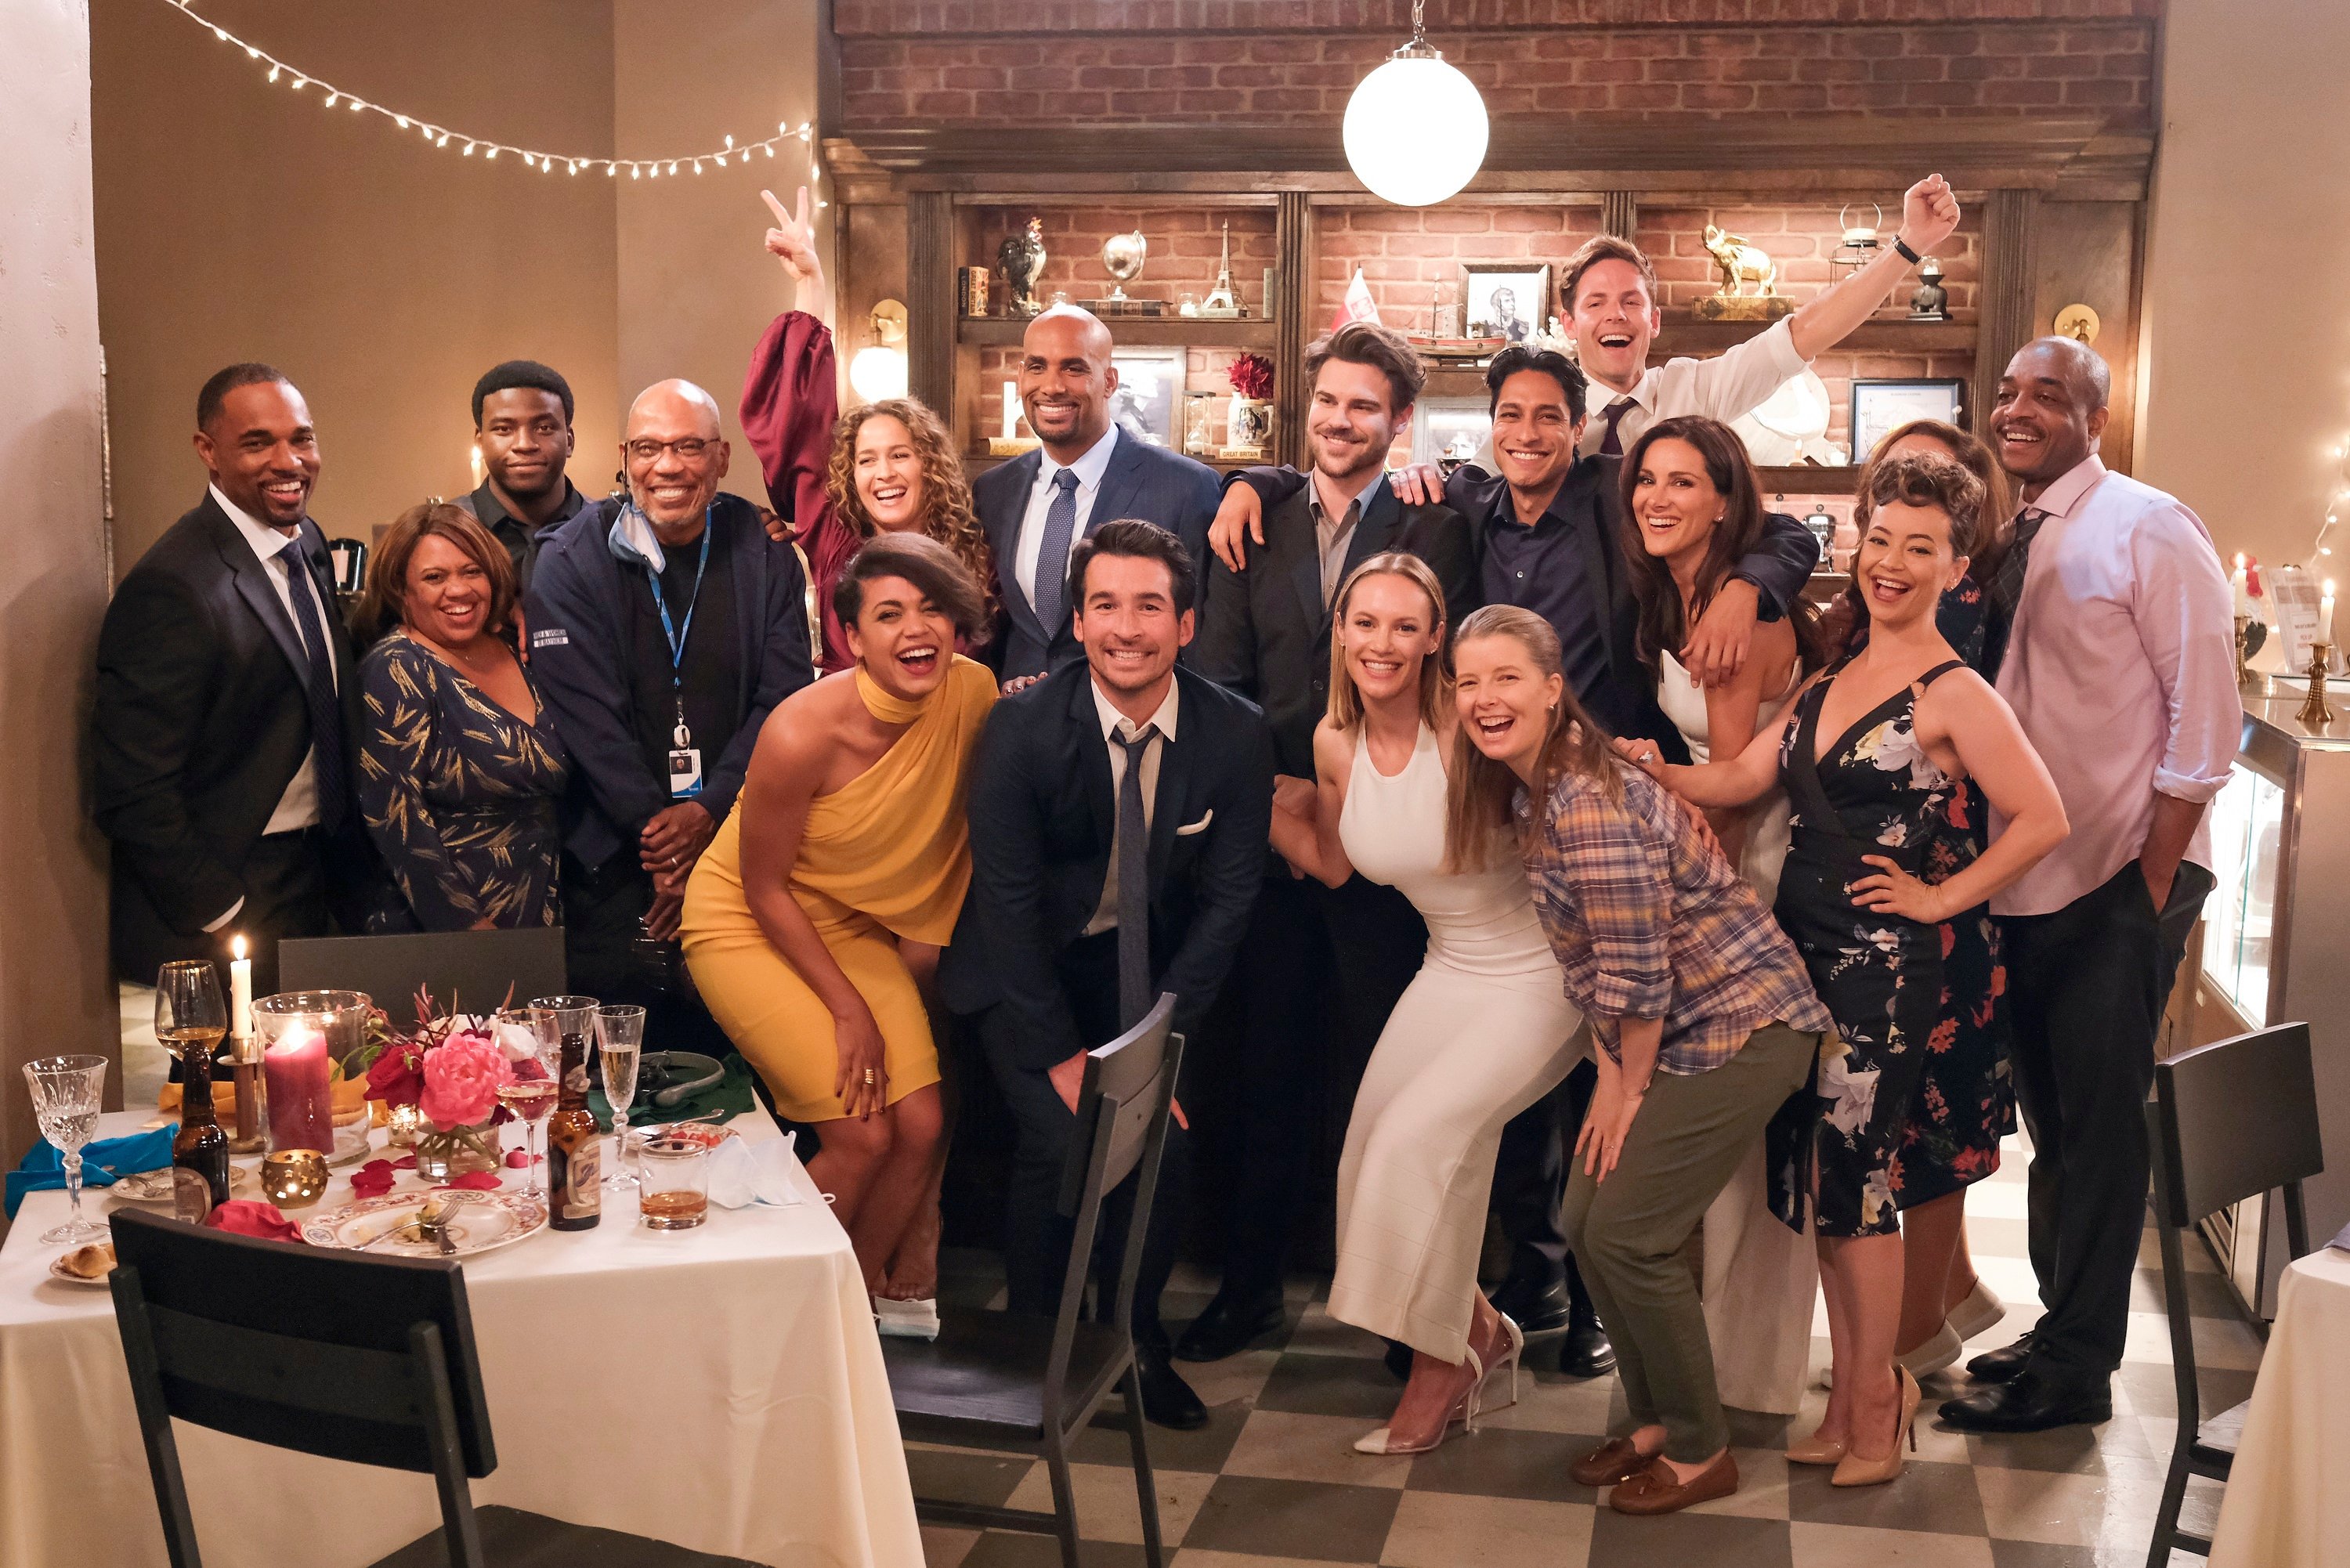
(1142, 481)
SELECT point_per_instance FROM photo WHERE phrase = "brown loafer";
(1610, 1462)
(1654, 1490)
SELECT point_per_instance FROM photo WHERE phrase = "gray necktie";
(1052, 555)
(1133, 885)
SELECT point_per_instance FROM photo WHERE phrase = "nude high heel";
(1816, 1450)
(1462, 1414)
(1854, 1471)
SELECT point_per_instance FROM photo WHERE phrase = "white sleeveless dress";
(1485, 1030)
(1760, 1278)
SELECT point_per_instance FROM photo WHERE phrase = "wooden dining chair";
(327, 1353)
(1005, 1380)
(476, 970)
(2228, 1121)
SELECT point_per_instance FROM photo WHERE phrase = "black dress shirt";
(520, 538)
(710, 671)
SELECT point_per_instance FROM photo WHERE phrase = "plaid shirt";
(1649, 920)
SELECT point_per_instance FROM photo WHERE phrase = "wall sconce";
(878, 371)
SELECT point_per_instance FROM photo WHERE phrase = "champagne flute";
(532, 1098)
(189, 1017)
(619, 1041)
(66, 1093)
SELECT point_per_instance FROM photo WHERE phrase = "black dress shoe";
(1231, 1325)
(1536, 1306)
(1586, 1351)
(1167, 1399)
(1399, 1359)
(2033, 1402)
(2000, 1366)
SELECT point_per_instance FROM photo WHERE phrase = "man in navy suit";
(1038, 506)
(1120, 808)
(223, 680)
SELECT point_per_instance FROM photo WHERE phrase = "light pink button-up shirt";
(2121, 669)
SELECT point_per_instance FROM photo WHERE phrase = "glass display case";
(2269, 951)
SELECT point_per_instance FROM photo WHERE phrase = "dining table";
(719, 1388)
(2285, 1505)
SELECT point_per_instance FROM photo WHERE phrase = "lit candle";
(301, 1110)
(240, 990)
(2240, 582)
(1011, 411)
(2326, 614)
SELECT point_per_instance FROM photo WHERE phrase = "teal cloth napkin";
(44, 1168)
(731, 1094)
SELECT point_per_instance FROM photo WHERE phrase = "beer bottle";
(200, 1148)
(575, 1177)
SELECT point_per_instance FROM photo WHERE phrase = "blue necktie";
(1053, 557)
(325, 708)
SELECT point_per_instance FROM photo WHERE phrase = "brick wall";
(921, 61)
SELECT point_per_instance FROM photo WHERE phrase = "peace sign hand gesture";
(793, 239)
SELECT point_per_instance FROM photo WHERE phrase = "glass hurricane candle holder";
(302, 1034)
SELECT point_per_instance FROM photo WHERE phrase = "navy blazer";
(1141, 481)
(1042, 819)
(1265, 632)
(201, 721)
(576, 612)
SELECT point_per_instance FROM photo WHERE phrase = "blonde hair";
(1478, 823)
(947, 513)
(1435, 681)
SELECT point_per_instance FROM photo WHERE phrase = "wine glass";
(532, 1098)
(66, 1091)
(189, 1017)
(619, 1040)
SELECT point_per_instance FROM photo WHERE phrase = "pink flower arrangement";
(461, 1077)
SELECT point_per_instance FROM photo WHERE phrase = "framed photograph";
(1150, 395)
(1449, 430)
(1508, 300)
(1881, 408)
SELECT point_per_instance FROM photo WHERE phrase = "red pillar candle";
(301, 1112)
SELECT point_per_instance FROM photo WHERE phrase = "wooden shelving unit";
(1686, 334)
(1254, 332)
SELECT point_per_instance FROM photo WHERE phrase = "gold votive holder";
(293, 1178)
(405, 1122)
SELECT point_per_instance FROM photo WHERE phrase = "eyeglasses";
(688, 449)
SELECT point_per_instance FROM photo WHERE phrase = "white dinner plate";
(57, 1271)
(477, 1222)
(155, 1186)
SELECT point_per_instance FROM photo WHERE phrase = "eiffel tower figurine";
(1221, 305)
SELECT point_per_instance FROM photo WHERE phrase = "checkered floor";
(1272, 1480)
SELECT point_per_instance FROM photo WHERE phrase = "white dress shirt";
(1089, 470)
(1117, 726)
(2122, 672)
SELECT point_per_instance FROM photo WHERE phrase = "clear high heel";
(1512, 1350)
(1464, 1414)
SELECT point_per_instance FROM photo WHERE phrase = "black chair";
(2228, 1121)
(327, 1353)
(477, 969)
(1003, 1380)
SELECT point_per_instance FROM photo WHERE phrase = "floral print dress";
(1874, 792)
(1966, 1100)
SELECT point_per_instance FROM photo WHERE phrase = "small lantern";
(1858, 247)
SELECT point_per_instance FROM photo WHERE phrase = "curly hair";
(947, 514)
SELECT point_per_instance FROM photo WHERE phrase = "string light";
(438, 136)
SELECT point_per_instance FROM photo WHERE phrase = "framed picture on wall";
(1508, 300)
(1449, 430)
(1149, 393)
(1881, 406)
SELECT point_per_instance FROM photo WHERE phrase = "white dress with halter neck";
(1760, 1278)
(1485, 1030)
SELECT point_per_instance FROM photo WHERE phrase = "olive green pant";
(1628, 1230)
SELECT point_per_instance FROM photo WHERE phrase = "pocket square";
(1190, 828)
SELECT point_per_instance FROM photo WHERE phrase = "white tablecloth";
(722, 1388)
(2288, 1499)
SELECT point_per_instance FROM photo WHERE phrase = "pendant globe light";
(1416, 126)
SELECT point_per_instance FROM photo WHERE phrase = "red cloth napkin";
(373, 1179)
(245, 1217)
(477, 1181)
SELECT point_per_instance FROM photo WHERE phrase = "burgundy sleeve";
(791, 401)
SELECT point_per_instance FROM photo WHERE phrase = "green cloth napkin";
(731, 1094)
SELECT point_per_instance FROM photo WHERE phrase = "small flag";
(1358, 306)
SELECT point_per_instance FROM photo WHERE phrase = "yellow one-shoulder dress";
(887, 857)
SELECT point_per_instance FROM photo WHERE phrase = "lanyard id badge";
(684, 756)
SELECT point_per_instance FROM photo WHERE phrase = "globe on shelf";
(1416, 127)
